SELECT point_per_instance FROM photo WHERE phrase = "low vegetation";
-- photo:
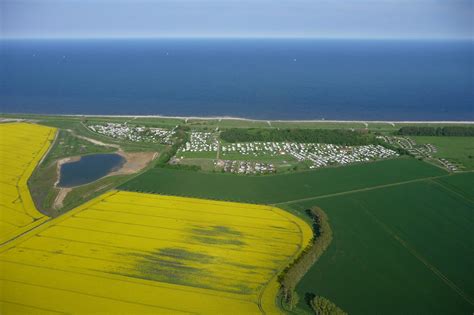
(67, 145)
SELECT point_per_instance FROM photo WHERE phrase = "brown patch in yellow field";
(143, 253)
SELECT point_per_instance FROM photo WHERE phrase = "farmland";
(140, 253)
(412, 241)
(281, 187)
(459, 150)
(22, 146)
(401, 228)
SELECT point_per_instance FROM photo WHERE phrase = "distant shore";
(254, 120)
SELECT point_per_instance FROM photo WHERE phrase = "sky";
(386, 19)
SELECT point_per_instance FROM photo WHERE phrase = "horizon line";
(236, 38)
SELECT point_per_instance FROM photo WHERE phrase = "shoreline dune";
(256, 120)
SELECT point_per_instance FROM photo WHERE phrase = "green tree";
(323, 306)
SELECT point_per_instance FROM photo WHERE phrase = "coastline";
(220, 118)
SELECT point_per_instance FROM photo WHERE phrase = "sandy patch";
(59, 200)
(134, 162)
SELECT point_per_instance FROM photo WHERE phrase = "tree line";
(458, 131)
(333, 136)
(181, 137)
(291, 275)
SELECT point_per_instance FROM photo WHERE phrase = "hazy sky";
(238, 18)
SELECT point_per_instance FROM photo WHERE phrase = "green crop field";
(406, 249)
(282, 187)
(461, 183)
(456, 149)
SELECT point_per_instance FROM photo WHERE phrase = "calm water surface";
(88, 169)
(266, 79)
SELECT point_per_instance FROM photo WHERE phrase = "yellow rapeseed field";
(135, 253)
(22, 146)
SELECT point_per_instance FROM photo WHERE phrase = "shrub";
(323, 306)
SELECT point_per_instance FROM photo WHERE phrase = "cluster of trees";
(181, 137)
(323, 306)
(292, 274)
(399, 150)
(334, 136)
(459, 131)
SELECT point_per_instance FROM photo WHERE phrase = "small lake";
(88, 169)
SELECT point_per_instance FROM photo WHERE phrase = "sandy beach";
(262, 120)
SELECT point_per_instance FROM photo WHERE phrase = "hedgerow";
(292, 274)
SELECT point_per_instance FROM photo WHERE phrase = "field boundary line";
(301, 246)
(200, 200)
(33, 226)
(32, 306)
(360, 190)
(48, 221)
(451, 190)
(53, 143)
(418, 256)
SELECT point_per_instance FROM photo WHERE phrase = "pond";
(88, 169)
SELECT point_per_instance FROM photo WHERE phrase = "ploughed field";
(21, 148)
(140, 253)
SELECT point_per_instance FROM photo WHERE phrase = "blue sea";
(263, 79)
